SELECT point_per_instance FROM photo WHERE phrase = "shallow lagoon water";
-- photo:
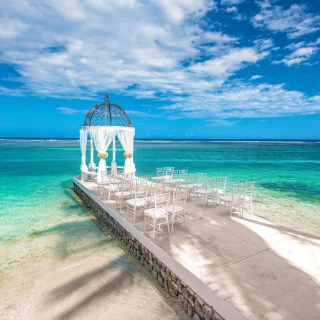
(35, 174)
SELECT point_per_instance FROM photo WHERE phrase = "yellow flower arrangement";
(128, 155)
(103, 155)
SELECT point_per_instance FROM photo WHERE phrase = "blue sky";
(180, 68)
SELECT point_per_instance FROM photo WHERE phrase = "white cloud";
(222, 123)
(299, 56)
(138, 45)
(264, 44)
(255, 77)
(295, 20)
(71, 111)
(217, 37)
(88, 47)
(240, 100)
(301, 53)
(78, 49)
(295, 45)
(232, 9)
(231, 2)
(223, 67)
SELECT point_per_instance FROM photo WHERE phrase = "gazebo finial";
(107, 98)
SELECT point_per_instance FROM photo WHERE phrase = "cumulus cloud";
(163, 50)
(298, 56)
(301, 53)
(232, 9)
(295, 21)
(240, 100)
(256, 76)
(223, 67)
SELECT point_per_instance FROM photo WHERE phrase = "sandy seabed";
(76, 271)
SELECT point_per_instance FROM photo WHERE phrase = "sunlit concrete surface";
(265, 270)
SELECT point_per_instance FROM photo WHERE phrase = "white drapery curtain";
(92, 165)
(102, 138)
(83, 147)
(126, 138)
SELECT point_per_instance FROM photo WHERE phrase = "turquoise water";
(35, 174)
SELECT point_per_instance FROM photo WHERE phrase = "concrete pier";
(222, 268)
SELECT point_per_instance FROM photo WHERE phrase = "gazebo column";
(92, 165)
(83, 147)
(114, 163)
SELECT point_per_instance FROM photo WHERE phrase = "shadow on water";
(95, 287)
(77, 235)
(112, 286)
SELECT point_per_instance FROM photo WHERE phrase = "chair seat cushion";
(156, 212)
(175, 181)
(191, 186)
(137, 202)
(111, 187)
(123, 194)
(204, 191)
(157, 178)
(175, 209)
(140, 192)
(229, 198)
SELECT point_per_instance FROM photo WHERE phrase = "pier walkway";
(260, 269)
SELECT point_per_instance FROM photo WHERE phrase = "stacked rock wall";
(192, 304)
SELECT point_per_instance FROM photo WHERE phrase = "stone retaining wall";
(192, 304)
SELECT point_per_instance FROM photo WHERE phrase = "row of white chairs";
(143, 198)
(151, 199)
(206, 189)
(242, 194)
(197, 184)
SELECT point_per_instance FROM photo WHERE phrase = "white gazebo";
(103, 123)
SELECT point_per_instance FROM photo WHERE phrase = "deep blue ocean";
(36, 173)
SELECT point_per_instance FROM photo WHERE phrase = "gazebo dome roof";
(107, 114)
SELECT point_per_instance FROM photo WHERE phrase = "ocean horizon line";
(166, 139)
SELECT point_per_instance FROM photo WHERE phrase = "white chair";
(248, 194)
(110, 187)
(104, 180)
(189, 184)
(158, 215)
(183, 175)
(170, 180)
(168, 170)
(155, 188)
(199, 183)
(160, 174)
(138, 203)
(201, 180)
(177, 210)
(220, 189)
(124, 193)
(235, 200)
(207, 192)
